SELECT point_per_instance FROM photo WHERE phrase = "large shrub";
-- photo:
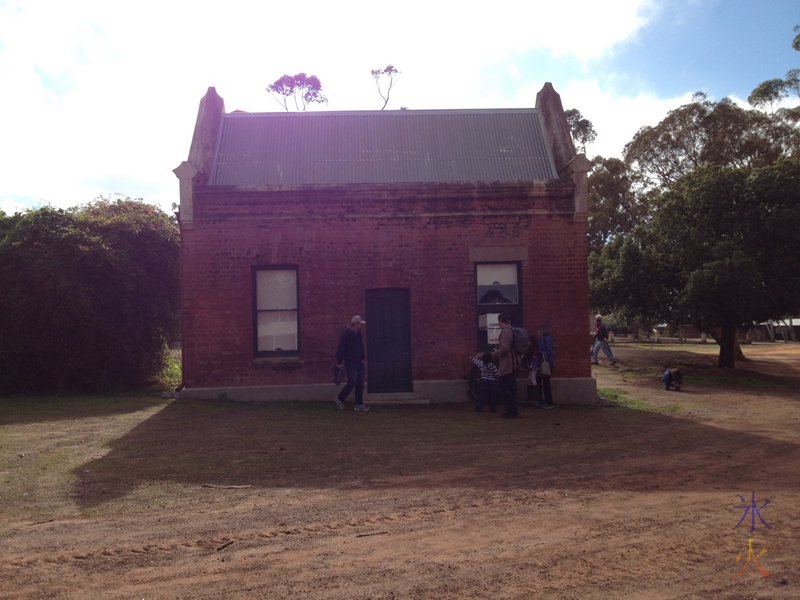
(89, 297)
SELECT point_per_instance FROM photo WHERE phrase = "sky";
(99, 97)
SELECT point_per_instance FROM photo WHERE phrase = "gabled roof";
(373, 147)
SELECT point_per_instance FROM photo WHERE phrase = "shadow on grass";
(305, 445)
(18, 410)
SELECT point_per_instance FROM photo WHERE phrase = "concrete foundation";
(581, 391)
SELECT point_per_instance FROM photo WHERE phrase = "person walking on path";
(601, 342)
(507, 370)
(351, 354)
(546, 354)
(488, 381)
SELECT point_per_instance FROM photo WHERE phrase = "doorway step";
(397, 399)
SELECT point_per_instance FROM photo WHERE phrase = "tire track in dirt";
(371, 525)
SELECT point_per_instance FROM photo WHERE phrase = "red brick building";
(426, 223)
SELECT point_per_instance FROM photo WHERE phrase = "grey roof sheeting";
(373, 147)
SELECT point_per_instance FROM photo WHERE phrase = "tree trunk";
(728, 343)
(739, 354)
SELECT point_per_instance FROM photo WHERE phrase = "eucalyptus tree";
(703, 132)
(769, 93)
(616, 204)
(715, 241)
(720, 252)
(389, 73)
(302, 89)
(581, 128)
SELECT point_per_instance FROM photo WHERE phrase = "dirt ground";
(639, 498)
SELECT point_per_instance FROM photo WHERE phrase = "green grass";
(37, 409)
(46, 441)
(735, 379)
(620, 399)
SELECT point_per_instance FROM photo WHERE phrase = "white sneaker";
(361, 407)
(339, 403)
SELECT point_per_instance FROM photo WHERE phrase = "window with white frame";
(276, 324)
(497, 290)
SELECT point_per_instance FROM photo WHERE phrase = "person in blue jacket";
(672, 377)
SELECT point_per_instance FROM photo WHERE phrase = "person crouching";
(672, 377)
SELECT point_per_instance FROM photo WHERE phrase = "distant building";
(427, 223)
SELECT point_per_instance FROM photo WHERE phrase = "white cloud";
(616, 118)
(100, 97)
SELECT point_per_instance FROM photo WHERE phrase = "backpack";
(522, 341)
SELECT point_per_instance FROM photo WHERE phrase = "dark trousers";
(507, 392)
(545, 393)
(488, 394)
(535, 392)
(356, 374)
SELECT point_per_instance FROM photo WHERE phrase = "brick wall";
(349, 239)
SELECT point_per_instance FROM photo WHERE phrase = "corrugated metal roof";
(274, 149)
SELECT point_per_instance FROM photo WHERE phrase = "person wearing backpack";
(507, 369)
(522, 346)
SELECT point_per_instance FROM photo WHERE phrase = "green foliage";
(90, 296)
(698, 224)
(768, 93)
(792, 82)
(615, 206)
(720, 250)
(704, 132)
(626, 280)
(582, 130)
(171, 374)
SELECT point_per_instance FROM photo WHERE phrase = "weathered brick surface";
(347, 240)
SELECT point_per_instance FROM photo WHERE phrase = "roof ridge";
(384, 113)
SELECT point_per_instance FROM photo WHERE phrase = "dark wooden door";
(389, 340)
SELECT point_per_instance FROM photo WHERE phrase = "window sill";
(278, 362)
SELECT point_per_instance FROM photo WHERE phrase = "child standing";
(488, 381)
(534, 390)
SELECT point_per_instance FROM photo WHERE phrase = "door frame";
(389, 358)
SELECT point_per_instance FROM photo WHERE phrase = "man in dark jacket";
(351, 354)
